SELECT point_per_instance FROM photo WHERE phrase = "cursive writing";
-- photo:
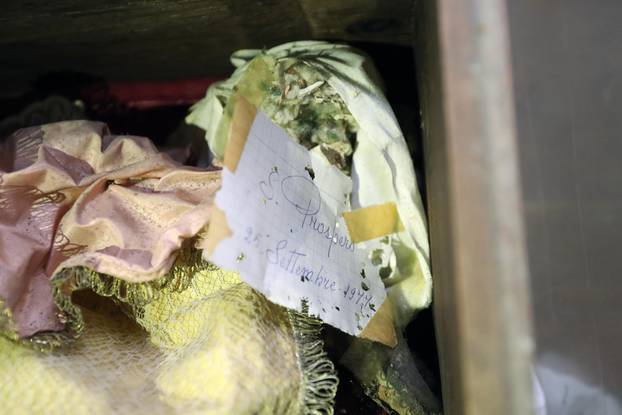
(305, 197)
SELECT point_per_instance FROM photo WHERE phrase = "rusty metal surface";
(568, 80)
(478, 256)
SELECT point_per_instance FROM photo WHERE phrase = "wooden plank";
(167, 39)
(478, 256)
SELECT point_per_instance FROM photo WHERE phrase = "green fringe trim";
(134, 295)
(42, 341)
(320, 381)
(7, 326)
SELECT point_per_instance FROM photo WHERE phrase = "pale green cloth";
(381, 169)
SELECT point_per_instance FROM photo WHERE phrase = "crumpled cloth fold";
(72, 194)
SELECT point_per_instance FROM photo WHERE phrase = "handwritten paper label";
(284, 207)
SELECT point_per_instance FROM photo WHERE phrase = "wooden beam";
(127, 40)
(479, 263)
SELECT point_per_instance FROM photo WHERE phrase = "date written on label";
(284, 207)
(293, 262)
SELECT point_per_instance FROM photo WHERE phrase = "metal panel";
(478, 258)
(568, 80)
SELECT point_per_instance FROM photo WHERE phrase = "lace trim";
(135, 295)
(7, 326)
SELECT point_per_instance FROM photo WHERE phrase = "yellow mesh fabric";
(109, 370)
(209, 345)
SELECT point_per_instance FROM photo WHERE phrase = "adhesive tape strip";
(243, 117)
(372, 222)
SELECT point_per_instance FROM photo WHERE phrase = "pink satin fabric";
(71, 194)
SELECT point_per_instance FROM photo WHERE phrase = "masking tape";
(381, 328)
(372, 222)
(243, 116)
